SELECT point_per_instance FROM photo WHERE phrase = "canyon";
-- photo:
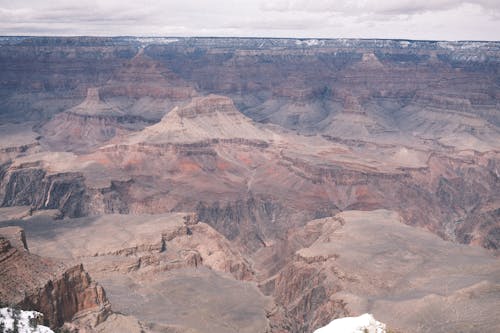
(250, 185)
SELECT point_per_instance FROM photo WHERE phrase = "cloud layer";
(412, 19)
(381, 7)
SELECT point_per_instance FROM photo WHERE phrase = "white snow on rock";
(156, 40)
(8, 316)
(362, 324)
(310, 42)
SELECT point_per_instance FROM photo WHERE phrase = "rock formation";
(205, 118)
(174, 252)
(271, 144)
(58, 292)
(89, 124)
(368, 261)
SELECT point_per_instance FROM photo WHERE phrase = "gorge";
(250, 185)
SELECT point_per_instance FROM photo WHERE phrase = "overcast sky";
(411, 19)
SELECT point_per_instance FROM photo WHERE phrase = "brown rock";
(34, 283)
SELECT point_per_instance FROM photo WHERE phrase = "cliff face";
(307, 87)
(71, 294)
(35, 283)
(283, 75)
(361, 261)
(32, 186)
(304, 298)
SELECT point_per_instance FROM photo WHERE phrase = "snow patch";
(156, 40)
(310, 42)
(472, 45)
(404, 43)
(8, 316)
(361, 324)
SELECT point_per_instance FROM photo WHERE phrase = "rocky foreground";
(251, 185)
(22, 321)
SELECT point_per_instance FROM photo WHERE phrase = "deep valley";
(250, 185)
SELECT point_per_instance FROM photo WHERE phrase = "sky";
(405, 19)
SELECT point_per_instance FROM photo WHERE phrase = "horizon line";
(253, 37)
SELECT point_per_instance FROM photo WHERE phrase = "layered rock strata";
(58, 292)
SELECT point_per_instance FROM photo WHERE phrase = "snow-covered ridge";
(466, 45)
(310, 42)
(492, 47)
(361, 324)
(26, 321)
(156, 40)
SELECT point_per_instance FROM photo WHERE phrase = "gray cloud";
(384, 7)
(439, 19)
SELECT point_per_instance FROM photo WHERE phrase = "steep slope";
(369, 261)
(46, 286)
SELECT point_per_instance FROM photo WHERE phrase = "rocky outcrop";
(34, 283)
(190, 246)
(304, 287)
(144, 245)
(69, 296)
(305, 298)
(14, 237)
(148, 262)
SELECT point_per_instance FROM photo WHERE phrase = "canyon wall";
(257, 137)
(57, 291)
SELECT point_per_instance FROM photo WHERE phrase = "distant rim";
(254, 37)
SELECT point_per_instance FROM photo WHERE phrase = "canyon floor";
(250, 185)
